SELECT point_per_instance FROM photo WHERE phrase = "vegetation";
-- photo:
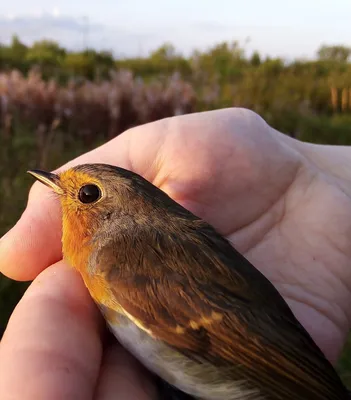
(56, 104)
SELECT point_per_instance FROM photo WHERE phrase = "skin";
(286, 205)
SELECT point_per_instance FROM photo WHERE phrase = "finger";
(34, 242)
(52, 348)
(122, 377)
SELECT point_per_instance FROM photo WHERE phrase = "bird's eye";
(89, 194)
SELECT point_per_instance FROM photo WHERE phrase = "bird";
(179, 296)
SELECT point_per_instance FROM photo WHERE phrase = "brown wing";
(206, 300)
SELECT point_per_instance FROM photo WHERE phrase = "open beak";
(48, 179)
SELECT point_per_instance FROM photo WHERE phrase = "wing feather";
(200, 296)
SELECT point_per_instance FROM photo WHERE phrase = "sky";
(293, 29)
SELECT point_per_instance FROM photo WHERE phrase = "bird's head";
(98, 200)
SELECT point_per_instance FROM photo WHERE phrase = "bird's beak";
(48, 179)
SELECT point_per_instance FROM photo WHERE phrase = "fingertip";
(34, 242)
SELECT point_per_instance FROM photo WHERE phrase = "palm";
(291, 219)
(287, 216)
(278, 200)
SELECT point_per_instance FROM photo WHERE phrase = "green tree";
(224, 61)
(255, 60)
(46, 53)
(334, 53)
(13, 56)
(78, 64)
(17, 48)
(166, 52)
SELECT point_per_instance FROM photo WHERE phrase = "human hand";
(283, 204)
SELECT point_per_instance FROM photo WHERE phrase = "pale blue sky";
(290, 29)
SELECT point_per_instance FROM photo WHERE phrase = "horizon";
(135, 29)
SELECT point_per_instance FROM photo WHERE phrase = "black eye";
(89, 194)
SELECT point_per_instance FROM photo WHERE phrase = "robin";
(180, 298)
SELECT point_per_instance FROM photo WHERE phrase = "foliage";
(335, 53)
(56, 104)
(45, 52)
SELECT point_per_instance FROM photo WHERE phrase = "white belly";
(179, 371)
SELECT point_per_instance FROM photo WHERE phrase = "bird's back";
(193, 292)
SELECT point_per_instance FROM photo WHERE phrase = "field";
(51, 100)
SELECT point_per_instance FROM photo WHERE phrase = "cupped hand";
(286, 205)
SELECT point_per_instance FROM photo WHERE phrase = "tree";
(46, 53)
(334, 53)
(13, 56)
(165, 52)
(78, 64)
(224, 61)
(255, 59)
(17, 48)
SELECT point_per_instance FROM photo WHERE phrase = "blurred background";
(75, 74)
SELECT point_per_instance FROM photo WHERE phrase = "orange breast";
(77, 249)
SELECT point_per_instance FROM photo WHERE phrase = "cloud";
(70, 32)
(26, 26)
(56, 12)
